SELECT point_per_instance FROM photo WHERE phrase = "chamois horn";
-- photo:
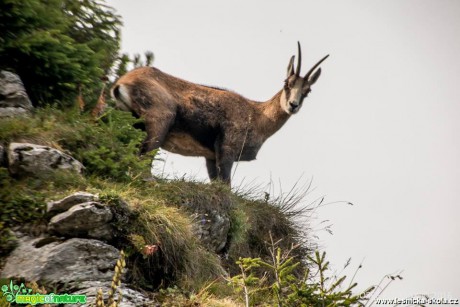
(307, 76)
(299, 60)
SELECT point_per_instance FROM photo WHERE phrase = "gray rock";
(12, 92)
(68, 202)
(68, 262)
(39, 160)
(13, 112)
(212, 223)
(130, 297)
(88, 219)
(211, 228)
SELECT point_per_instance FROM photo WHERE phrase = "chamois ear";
(315, 77)
(290, 69)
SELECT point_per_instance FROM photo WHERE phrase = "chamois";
(217, 124)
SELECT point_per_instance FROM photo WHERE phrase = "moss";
(21, 203)
(8, 240)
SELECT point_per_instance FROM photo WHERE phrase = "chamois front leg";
(212, 169)
(157, 129)
(224, 163)
(224, 170)
(221, 172)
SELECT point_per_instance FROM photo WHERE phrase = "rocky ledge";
(77, 248)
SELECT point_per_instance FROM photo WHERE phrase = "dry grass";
(164, 221)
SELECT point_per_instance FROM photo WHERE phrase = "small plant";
(114, 288)
(280, 287)
(374, 293)
(247, 282)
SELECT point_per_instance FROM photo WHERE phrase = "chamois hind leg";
(212, 169)
(157, 129)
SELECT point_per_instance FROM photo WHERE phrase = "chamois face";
(294, 92)
(296, 88)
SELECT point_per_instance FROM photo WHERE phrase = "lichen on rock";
(38, 160)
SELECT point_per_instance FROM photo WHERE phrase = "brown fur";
(196, 120)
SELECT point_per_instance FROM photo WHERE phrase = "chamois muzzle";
(293, 107)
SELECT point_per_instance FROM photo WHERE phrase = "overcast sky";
(380, 128)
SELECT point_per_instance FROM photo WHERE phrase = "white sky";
(380, 128)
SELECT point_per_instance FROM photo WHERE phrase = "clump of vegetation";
(110, 148)
(107, 146)
(280, 287)
(161, 245)
(165, 223)
(59, 47)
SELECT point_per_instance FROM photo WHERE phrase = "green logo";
(22, 295)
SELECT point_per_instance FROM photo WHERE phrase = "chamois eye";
(289, 83)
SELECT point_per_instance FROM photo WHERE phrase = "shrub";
(58, 47)
(108, 146)
(285, 289)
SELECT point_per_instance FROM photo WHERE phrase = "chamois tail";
(121, 94)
